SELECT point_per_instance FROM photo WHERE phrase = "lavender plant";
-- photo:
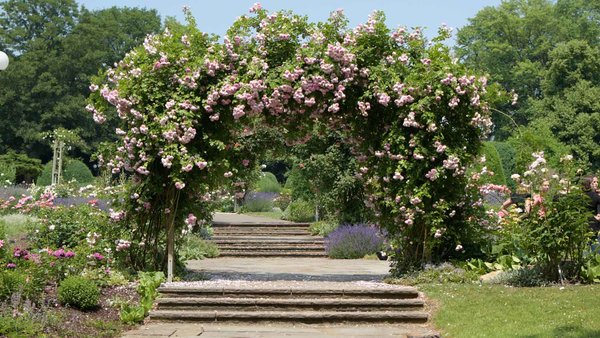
(351, 241)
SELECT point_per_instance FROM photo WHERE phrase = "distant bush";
(79, 292)
(194, 247)
(26, 168)
(322, 228)
(7, 173)
(353, 241)
(299, 211)
(507, 154)
(72, 170)
(436, 274)
(259, 202)
(268, 183)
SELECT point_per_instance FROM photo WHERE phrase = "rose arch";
(190, 113)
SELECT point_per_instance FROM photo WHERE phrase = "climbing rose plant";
(193, 111)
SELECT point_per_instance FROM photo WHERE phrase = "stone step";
(259, 225)
(266, 240)
(269, 238)
(288, 304)
(262, 233)
(295, 292)
(274, 253)
(291, 316)
(271, 246)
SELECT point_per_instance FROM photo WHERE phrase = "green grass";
(470, 310)
(15, 225)
(267, 214)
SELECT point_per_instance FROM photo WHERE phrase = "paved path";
(229, 217)
(227, 270)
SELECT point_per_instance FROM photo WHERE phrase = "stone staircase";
(267, 240)
(290, 302)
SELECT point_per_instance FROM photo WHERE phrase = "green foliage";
(532, 139)
(20, 326)
(147, 289)
(25, 169)
(55, 48)
(492, 163)
(79, 292)
(507, 155)
(550, 57)
(257, 205)
(194, 247)
(299, 211)
(68, 226)
(322, 228)
(523, 277)
(7, 173)
(590, 271)
(268, 183)
(73, 170)
(436, 274)
(20, 285)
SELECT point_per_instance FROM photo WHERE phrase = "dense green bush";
(194, 247)
(507, 154)
(7, 173)
(72, 170)
(79, 292)
(300, 211)
(322, 228)
(26, 169)
(26, 286)
(268, 183)
(68, 226)
(493, 163)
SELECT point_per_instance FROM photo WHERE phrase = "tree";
(55, 49)
(548, 53)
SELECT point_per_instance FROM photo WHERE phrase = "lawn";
(470, 310)
(267, 214)
(15, 225)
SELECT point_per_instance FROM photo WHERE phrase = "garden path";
(283, 273)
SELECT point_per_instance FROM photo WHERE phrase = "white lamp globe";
(3, 61)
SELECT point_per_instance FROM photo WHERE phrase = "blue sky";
(215, 16)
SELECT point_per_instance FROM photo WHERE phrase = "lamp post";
(3, 60)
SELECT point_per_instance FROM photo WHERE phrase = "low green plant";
(590, 271)
(194, 247)
(322, 228)
(436, 274)
(524, 277)
(11, 282)
(299, 211)
(257, 205)
(147, 289)
(19, 326)
(268, 183)
(79, 292)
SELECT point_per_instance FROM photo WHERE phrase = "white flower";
(52, 227)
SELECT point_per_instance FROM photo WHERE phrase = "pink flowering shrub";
(192, 111)
(550, 231)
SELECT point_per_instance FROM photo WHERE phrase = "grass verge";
(470, 310)
(267, 214)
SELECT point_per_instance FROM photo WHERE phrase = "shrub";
(26, 168)
(283, 200)
(194, 247)
(72, 170)
(27, 287)
(79, 292)
(353, 241)
(258, 202)
(507, 155)
(524, 277)
(268, 183)
(299, 211)
(437, 274)
(7, 173)
(322, 228)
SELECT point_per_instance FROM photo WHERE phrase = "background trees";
(55, 48)
(548, 53)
